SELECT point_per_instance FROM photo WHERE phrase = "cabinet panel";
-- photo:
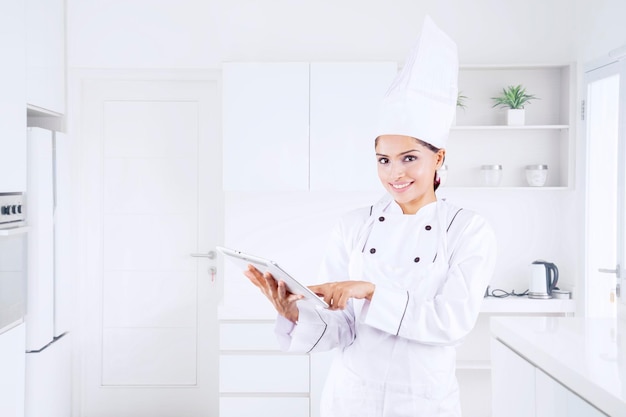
(248, 336)
(12, 97)
(320, 367)
(345, 98)
(551, 396)
(554, 400)
(12, 364)
(513, 383)
(264, 373)
(577, 407)
(266, 126)
(45, 54)
(254, 407)
(300, 126)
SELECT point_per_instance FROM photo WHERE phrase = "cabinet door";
(45, 54)
(345, 98)
(40, 217)
(256, 379)
(265, 126)
(264, 406)
(554, 400)
(513, 383)
(264, 373)
(551, 396)
(12, 366)
(12, 98)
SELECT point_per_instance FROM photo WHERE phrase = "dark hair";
(434, 149)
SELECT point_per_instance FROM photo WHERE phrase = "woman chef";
(406, 276)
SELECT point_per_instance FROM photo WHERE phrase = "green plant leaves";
(460, 100)
(513, 97)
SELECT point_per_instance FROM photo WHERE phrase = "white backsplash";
(292, 228)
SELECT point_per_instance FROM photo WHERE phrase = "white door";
(605, 95)
(151, 196)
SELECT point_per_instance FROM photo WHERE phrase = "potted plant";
(460, 104)
(460, 100)
(514, 98)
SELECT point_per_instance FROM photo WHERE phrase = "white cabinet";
(344, 103)
(481, 136)
(554, 400)
(301, 126)
(45, 55)
(12, 98)
(521, 389)
(12, 371)
(265, 126)
(264, 406)
(512, 382)
(256, 378)
(474, 358)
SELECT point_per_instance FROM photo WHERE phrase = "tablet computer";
(265, 265)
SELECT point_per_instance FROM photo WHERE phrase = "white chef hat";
(421, 101)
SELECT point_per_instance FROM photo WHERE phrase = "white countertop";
(586, 355)
(515, 304)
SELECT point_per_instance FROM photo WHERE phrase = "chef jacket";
(396, 353)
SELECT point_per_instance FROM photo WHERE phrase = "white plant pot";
(515, 117)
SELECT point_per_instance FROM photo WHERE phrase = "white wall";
(602, 28)
(193, 34)
(204, 33)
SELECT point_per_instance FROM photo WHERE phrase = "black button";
(428, 227)
(381, 219)
(373, 250)
(416, 260)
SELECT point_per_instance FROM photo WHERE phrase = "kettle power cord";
(499, 293)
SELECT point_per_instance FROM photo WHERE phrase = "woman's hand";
(336, 294)
(284, 302)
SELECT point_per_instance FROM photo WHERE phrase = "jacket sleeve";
(319, 329)
(447, 313)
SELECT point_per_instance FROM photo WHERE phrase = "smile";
(401, 186)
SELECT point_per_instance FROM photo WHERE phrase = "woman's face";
(406, 169)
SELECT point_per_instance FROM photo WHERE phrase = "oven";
(13, 232)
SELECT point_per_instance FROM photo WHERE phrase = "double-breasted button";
(381, 219)
(373, 250)
(416, 260)
(428, 227)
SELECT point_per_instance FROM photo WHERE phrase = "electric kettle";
(543, 278)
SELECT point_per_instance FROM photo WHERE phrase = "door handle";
(610, 271)
(210, 254)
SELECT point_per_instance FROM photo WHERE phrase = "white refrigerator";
(48, 308)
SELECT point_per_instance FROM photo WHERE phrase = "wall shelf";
(545, 188)
(506, 127)
(525, 305)
(481, 135)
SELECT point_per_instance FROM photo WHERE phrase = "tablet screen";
(265, 265)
